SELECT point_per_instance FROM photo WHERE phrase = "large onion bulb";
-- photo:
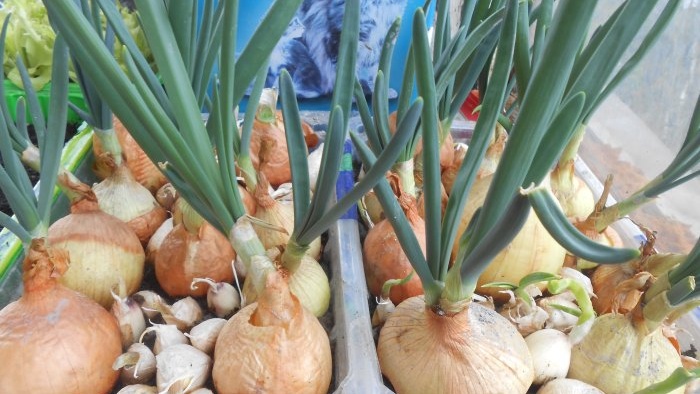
(473, 351)
(618, 356)
(54, 340)
(103, 250)
(274, 346)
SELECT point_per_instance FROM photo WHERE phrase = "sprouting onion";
(184, 147)
(445, 318)
(68, 339)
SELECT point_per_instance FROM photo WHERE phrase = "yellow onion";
(619, 355)
(121, 196)
(309, 284)
(54, 340)
(273, 346)
(103, 250)
(532, 250)
(384, 258)
(268, 150)
(576, 198)
(141, 167)
(184, 256)
(473, 351)
(450, 172)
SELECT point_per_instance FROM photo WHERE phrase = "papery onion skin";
(619, 358)
(121, 196)
(142, 168)
(184, 256)
(268, 150)
(103, 250)
(54, 340)
(473, 351)
(291, 355)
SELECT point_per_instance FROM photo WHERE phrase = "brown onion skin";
(54, 340)
(183, 256)
(103, 250)
(384, 259)
(273, 346)
(474, 351)
(142, 168)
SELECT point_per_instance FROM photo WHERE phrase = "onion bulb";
(184, 256)
(268, 150)
(121, 196)
(532, 250)
(473, 351)
(621, 356)
(103, 250)
(384, 258)
(141, 167)
(274, 345)
(54, 340)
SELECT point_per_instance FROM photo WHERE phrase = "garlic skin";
(568, 386)
(382, 312)
(138, 365)
(138, 389)
(182, 361)
(557, 318)
(203, 336)
(150, 302)
(166, 335)
(551, 354)
(618, 357)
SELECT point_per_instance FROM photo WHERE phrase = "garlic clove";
(151, 303)
(551, 354)
(203, 335)
(384, 309)
(568, 386)
(184, 313)
(138, 365)
(166, 335)
(138, 389)
(130, 319)
(558, 319)
(222, 298)
(182, 362)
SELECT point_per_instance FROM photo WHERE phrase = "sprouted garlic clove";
(222, 298)
(166, 335)
(138, 365)
(151, 303)
(384, 309)
(203, 336)
(179, 362)
(130, 318)
(184, 313)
